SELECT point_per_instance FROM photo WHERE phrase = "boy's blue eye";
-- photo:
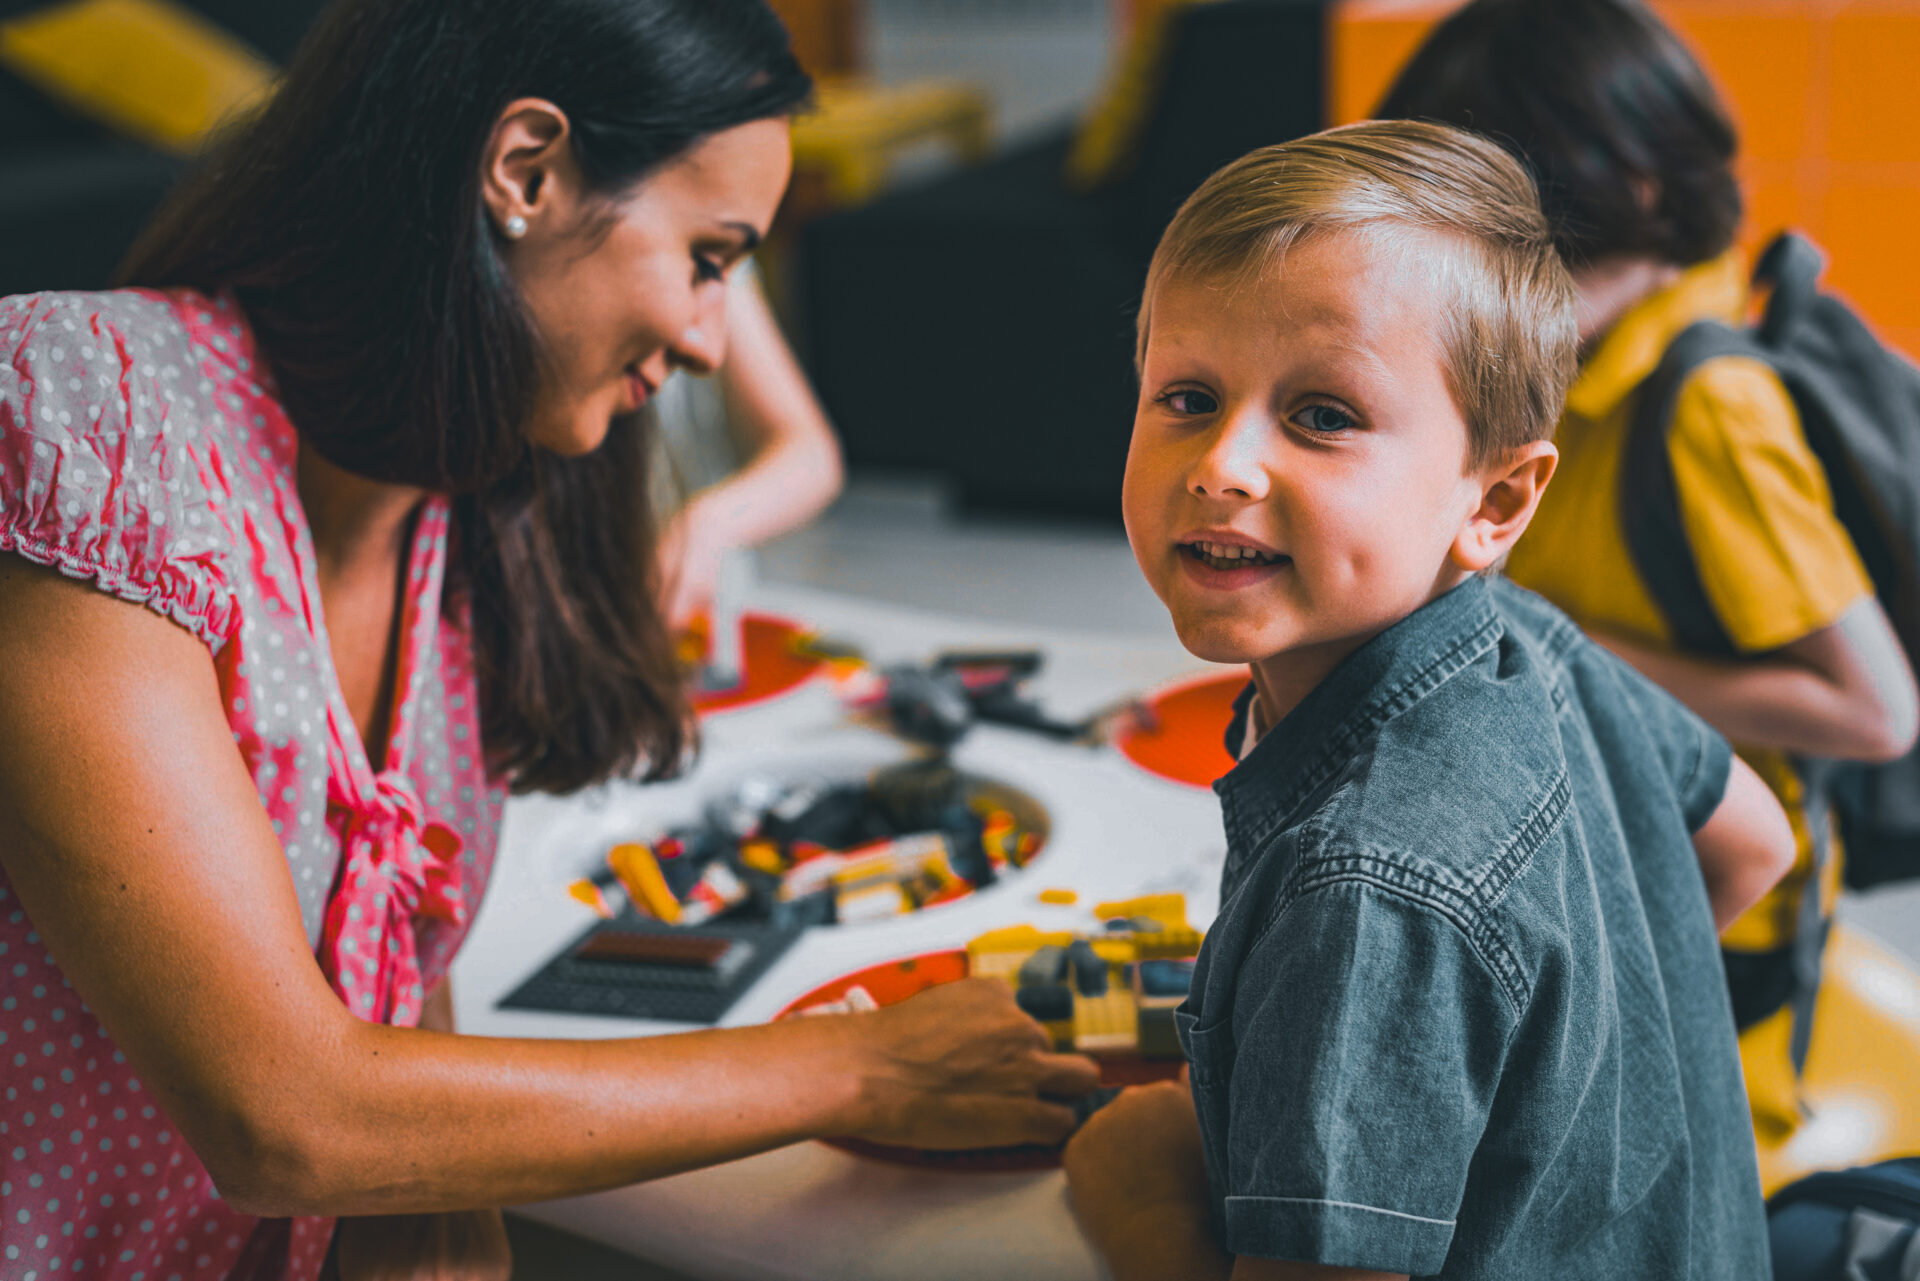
(1323, 419)
(1189, 402)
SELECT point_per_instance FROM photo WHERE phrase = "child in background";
(1461, 1013)
(1634, 156)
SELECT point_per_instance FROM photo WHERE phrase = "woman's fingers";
(1070, 1075)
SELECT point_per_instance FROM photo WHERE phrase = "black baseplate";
(638, 989)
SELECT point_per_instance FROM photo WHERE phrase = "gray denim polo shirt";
(1462, 1012)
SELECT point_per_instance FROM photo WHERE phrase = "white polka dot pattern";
(142, 449)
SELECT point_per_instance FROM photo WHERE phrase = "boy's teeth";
(1233, 553)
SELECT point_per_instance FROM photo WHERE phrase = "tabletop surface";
(811, 1211)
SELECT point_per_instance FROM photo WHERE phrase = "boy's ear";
(1509, 493)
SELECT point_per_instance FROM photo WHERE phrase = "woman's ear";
(1510, 492)
(528, 176)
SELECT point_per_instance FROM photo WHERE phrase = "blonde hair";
(1508, 340)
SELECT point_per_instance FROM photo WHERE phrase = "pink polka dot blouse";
(143, 450)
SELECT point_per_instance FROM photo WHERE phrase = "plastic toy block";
(872, 903)
(718, 891)
(639, 872)
(1164, 980)
(1089, 969)
(1170, 910)
(763, 856)
(1106, 1024)
(855, 1000)
(1044, 968)
(585, 891)
(1059, 898)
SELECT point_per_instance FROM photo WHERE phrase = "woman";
(308, 552)
(1634, 156)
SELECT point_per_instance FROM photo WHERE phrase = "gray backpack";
(1859, 405)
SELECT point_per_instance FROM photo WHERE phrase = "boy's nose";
(1232, 464)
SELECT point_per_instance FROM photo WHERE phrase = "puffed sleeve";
(1775, 561)
(102, 474)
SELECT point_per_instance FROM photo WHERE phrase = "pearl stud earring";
(516, 227)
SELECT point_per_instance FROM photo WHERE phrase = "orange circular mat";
(894, 981)
(1188, 742)
(768, 655)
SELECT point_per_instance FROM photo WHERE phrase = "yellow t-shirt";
(1774, 560)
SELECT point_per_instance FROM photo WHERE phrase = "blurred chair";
(83, 163)
(981, 325)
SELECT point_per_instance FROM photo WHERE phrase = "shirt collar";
(1712, 290)
(1337, 719)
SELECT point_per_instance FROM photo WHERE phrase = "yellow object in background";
(1103, 146)
(639, 871)
(857, 130)
(1059, 898)
(585, 891)
(151, 69)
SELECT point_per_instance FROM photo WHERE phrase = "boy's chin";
(1216, 641)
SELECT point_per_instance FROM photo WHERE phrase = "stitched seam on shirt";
(1516, 856)
(1448, 664)
(1424, 890)
(1344, 1205)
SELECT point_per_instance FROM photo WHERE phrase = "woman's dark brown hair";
(347, 221)
(1626, 138)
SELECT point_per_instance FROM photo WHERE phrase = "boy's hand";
(1138, 1182)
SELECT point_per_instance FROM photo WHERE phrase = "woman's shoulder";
(107, 418)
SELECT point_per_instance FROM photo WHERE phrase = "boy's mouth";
(1229, 556)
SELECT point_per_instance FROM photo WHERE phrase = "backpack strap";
(1650, 501)
(1790, 267)
(1657, 539)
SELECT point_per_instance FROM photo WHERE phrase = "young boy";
(1461, 1013)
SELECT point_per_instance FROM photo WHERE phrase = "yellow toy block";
(1059, 898)
(639, 871)
(1168, 909)
(1108, 1024)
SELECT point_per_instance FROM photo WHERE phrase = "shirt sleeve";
(1369, 1038)
(99, 475)
(1775, 561)
(1695, 756)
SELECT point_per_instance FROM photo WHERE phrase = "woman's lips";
(639, 390)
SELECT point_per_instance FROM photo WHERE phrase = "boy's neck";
(1283, 681)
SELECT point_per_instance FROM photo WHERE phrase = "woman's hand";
(690, 551)
(961, 1066)
(1138, 1180)
(468, 1245)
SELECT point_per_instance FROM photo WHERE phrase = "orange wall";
(1827, 97)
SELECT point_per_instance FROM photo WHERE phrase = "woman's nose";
(703, 343)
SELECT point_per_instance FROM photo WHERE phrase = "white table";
(811, 1211)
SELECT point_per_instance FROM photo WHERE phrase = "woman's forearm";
(412, 1122)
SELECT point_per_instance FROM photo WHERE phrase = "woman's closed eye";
(1188, 402)
(1324, 420)
(706, 269)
